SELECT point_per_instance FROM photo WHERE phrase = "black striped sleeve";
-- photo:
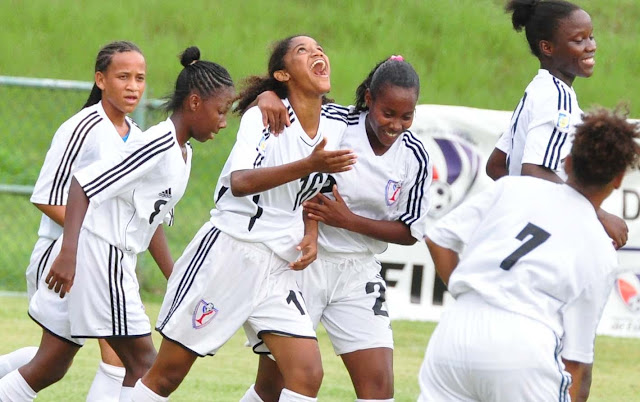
(63, 172)
(417, 192)
(134, 161)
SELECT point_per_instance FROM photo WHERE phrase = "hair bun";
(189, 56)
(522, 11)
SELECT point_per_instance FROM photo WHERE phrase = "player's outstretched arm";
(63, 270)
(159, 250)
(251, 181)
(615, 227)
(581, 379)
(497, 164)
(274, 113)
(336, 213)
(541, 172)
(444, 259)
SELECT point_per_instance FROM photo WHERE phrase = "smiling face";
(210, 114)
(571, 52)
(307, 68)
(123, 82)
(390, 113)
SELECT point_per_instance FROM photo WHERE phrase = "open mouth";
(589, 61)
(319, 68)
(392, 135)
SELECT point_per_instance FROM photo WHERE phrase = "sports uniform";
(86, 137)
(235, 271)
(130, 194)
(343, 288)
(524, 299)
(542, 125)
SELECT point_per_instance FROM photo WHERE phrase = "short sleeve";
(581, 318)
(119, 174)
(454, 230)
(504, 142)
(547, 141)
(251, 142)
(415, 202)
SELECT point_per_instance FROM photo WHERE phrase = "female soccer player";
(536, 273)
(382, 199)
(238, 270)
(99, 129)
(115, 206)
(560, 35)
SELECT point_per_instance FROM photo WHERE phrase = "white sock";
(141, 393)
(375, 400)
(251, 395)
(14, 388)
(126, 394)
(16, 359)
(289, 396)
(106, 384)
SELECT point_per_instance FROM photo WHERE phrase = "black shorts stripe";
(417, 192)
(131, 163)
(207, 242)
(116, 293)
(63, 173)
(43, 262)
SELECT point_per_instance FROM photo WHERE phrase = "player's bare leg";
(371, 372)
(169, 369)
(269, 380)
(299, 362)
(50, 363)
(137, 355)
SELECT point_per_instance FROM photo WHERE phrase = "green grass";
(226, 376)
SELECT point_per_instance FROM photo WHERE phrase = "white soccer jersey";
(542, 125)
(86, 137)
(132, 193)
(273, 217)
(534, 248)
(392, 186)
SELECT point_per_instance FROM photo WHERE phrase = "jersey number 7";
(538, 236)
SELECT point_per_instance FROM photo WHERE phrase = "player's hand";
(309, 248)
(331, 161)
(615, 227)
(62, 273)
(330, 212)
(274, 113)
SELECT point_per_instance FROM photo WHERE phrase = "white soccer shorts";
(44, 252)
(220, 284)
(347, 294)
(479, 352)
(104, 301)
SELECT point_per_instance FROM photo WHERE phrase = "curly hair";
(604, 146)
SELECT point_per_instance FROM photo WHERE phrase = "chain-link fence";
(31, 111)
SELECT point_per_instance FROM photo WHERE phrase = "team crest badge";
(628, 287)
(203, 314)
(392, 192)
(563, 120)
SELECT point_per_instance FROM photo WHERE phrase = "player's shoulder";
(161, 132)
(347, 115)
(413, 145)
(547, 90)
(252, 117)
(83, 121)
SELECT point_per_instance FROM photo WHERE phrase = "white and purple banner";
(459, 141)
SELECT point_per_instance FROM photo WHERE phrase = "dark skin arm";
(274, 114)
(581, 374)
(55, 212)
(336, 213)
(497, 164)
(63, 270)
(252, 181)
(444, 259)
(308, 245)
(529, 169)
(159, 250)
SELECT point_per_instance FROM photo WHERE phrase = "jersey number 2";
(538, 236)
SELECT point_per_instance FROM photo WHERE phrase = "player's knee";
(377, 383)
(308, 377)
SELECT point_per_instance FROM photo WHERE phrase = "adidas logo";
(166, 193)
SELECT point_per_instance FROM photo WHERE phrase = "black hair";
(255, 85)
(387, 72)
(604, 146)
(103, 60)
(539, 18)
(205, 77)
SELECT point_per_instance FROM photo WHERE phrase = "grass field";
(226, 376)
